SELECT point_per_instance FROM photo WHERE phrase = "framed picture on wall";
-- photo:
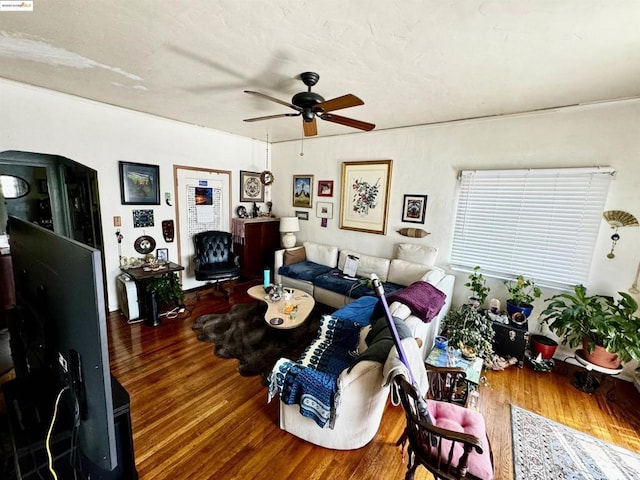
(303, 191)
(325, 188)
(251, 187)
(414, 208)
(365, 195)
(324, 210)
(302, 215)
(139, 184)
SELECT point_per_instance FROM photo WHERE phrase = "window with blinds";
(540, 223)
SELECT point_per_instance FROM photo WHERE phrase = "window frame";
(562, 209)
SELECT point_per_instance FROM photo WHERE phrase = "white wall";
(98, 136)
(426, 160)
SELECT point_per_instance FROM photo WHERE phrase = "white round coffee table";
(285, 314)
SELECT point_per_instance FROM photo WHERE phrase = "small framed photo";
(302, 215)
(324, 210)
(303, 191)
(251, 187)
(325, 188)
(139, 184)
(414, 208)
(162, 254)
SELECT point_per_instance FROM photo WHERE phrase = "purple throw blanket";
(423, 299)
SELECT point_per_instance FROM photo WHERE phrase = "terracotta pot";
(544, 346)
(600, 356)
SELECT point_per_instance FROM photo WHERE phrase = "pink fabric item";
(460, 419)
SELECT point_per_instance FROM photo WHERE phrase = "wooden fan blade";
(281, 102)
(310, 128)
(269, 117)
(338, 103)
(349, 122)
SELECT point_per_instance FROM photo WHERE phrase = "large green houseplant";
(595, 321)
(467, 327)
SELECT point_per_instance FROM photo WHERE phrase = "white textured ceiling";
(412, 62)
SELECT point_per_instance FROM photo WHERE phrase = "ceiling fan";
(310, 105)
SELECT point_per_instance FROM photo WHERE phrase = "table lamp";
(288, 225)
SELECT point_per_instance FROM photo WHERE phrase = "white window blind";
(540, 223)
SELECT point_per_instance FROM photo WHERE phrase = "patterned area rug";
(243, 334)
(546, 450)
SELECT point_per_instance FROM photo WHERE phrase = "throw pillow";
(411, 252)
(295, 255)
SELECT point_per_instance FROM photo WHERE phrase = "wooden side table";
(147, 300)
(456, 376)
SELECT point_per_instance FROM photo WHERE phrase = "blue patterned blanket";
(312, 381)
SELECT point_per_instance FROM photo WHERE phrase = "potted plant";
(522, 292)
(166, 288)
(469, 329)
(601, 325)
(477, 284)
(543, 346)
(617, 330)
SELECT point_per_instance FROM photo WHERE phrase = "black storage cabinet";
(511, 340)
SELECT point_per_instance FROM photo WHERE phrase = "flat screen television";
(60, 299)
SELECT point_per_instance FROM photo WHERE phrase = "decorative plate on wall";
(144, 244)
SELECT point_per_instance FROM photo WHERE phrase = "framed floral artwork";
(251, 187)
(365, 195)
(414, 208)
(303, 191)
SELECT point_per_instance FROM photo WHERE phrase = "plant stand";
(586, 381)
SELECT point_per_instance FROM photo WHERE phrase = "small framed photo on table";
(162, 254)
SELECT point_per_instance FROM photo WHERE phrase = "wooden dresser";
(255, 240)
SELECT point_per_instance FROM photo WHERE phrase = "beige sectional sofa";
(363, 393)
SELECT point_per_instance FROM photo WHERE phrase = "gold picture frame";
(365, 196)
(302, 191)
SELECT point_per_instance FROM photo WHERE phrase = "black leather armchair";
(214, 259)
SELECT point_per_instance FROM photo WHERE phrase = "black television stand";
(29, 413)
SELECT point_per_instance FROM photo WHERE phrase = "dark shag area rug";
(242, 333)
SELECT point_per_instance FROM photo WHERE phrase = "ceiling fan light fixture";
(310, 105)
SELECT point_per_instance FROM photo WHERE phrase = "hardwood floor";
(194, 417)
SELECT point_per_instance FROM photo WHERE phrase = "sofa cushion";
(334, 282)
(294, 255)
(412, 252)
(322, 254)
(405, 273)
(306, 270)
(367, 265)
